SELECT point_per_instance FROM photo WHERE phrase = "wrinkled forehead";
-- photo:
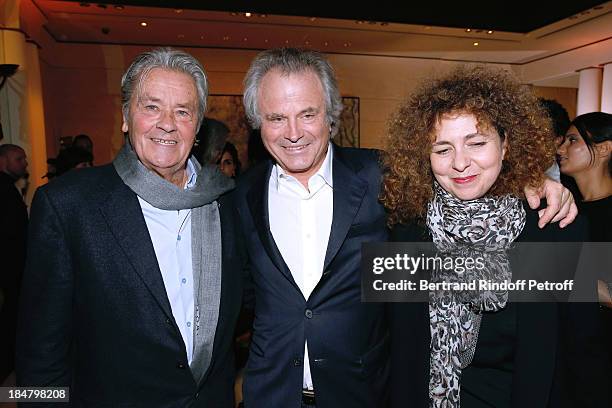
(149, 80)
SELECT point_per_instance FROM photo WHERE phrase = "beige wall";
(565, 96)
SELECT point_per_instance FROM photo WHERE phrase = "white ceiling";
(70, 22)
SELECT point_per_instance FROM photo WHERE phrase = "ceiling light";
(178, 11)
(245, 39)
(247, 14)
(467, 30)
(143, 24)
(360, 22)
(490, 32)
(119, 7)
(476, 43)
(312, 18)
(263, 15)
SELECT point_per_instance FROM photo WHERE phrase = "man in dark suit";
(305, 217)
(132, 287)
(14, 221)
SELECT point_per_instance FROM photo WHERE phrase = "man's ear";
(124, 126)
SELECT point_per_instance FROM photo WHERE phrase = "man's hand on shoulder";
(561, 206)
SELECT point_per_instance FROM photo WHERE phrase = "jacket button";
(308, 314)
(297, 362)
(180, 365)
(168, 321)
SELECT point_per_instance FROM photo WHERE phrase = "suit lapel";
(258, 205)
(349, 190)
(130, 230)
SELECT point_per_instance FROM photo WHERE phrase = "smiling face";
(162, 122)
(294, 128)
(466, 160)
(573, 154)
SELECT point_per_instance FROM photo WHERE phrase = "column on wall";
(589, 90)
(21, 105)
(606, 88)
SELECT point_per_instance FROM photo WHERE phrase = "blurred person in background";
(13, 232)
(229, 164)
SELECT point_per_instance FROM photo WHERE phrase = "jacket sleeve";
(44, 331)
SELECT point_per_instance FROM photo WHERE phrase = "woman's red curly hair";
(498, 101)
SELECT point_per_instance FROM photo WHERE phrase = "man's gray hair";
(163, 58)
(292, 61)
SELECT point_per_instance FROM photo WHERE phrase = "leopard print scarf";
(485, 228)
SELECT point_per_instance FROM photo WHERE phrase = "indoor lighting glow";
(143, 24)
(476, 44)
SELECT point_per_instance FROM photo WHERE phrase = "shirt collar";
(324, 172)
(192, 175)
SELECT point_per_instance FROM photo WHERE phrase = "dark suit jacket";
(14, 224)
(94, 311)
(548, 340)
(347, 339)
(14, 221)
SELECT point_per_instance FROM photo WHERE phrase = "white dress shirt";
(300, 222)
(170, 232)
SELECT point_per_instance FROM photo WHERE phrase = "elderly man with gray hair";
(133, 286)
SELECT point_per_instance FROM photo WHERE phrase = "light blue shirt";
(170, 232)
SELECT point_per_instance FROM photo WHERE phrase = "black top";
(521, 350)
(599, 214)
(14, 222)
(487, 381)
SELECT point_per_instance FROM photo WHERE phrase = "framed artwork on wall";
(229, 110)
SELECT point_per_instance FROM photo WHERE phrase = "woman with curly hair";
(460, 152)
